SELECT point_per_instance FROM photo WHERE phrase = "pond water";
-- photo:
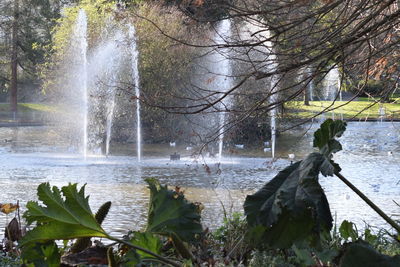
(32, 155)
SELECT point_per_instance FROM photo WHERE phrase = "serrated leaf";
(148, 241)
(62, 216)
(324, 137)
(292, 206)
(170, 212)
(58, 231)
(83, 243)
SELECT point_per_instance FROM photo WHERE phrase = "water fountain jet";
(225, 83)
(81, 39)
(273, 98)
(136, 84)
(97, 88)
(333, 87)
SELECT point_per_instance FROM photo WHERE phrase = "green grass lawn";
(28, 107)
(294, 109)
(352, 110)
(27, 112)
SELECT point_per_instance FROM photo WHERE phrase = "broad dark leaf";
(170, 212)
(324, 139)
(292, 206)
(361, 254)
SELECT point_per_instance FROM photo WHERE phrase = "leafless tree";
(359, 36)
(281, 47)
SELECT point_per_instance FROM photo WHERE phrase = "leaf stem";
(369, 202)
(161, 258)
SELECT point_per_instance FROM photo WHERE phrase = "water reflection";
(32, 155)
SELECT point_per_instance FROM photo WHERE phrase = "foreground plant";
(292, 211)
(65, 214)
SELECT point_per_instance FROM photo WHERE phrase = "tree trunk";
(306, 97)
(14, 59)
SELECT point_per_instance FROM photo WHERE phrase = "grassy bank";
(364, 110)
(28, 113)
(28, 107)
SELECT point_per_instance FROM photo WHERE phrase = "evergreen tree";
(25, 35)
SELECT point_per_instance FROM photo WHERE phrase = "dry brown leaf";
(8, 208)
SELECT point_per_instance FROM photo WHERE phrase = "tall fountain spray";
(311, 90)
(310, 80)
(136, 84)
(112, 54)
(264, 59)
(81, 39)
(90, 87)
(224, 70)
(109, 122)
(332, 87)
(273, 98)
(339, 85)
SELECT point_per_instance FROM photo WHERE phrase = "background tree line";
(302, 39)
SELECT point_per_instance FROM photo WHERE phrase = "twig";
(19, 218)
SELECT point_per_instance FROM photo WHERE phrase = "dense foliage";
(35, 22)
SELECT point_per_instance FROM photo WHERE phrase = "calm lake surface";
(33, 155)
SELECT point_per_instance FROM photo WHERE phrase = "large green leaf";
(85, 242)
(64, 214)
(361, 254)
(324, 139)
(148, 241)
(292, 206)
(170, 213)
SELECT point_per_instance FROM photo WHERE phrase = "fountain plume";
(81, 39)
(225, 82)
(136, 84)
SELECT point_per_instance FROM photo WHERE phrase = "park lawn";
(350, 110)
(27, 112)
(28, 107)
